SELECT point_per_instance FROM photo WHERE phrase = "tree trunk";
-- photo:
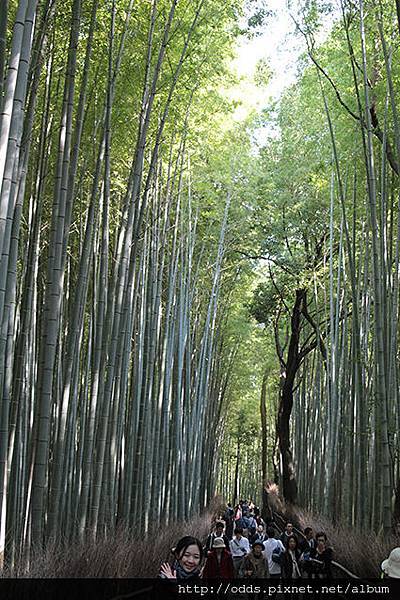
(236, 482)
(3, 39)
(289, 484)
(398, 13)
(264, 431)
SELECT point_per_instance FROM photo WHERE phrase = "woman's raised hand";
(167, 571)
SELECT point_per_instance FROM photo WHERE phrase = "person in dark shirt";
(218, 533)
(186, 567)
(321, 557)
(259, 535)
(290, 560)
(308, 541)
(287, 534)
(228, 518)
(306, 545)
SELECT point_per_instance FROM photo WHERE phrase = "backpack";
(277, 555)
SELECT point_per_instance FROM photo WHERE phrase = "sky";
(277, 44)
(281, 47)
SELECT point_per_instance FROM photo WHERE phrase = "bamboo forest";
(199, 264)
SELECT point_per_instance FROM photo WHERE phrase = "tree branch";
(278, 290)
(317, 332)
(278, 346)
(269, 258)
(375, 122)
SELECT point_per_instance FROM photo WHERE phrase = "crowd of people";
(242, 545)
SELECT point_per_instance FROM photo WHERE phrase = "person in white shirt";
(269, 547)
(239, 547)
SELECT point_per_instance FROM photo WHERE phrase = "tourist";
(273, 548)
(219, 563)
(239, 547)
(321, 557)
(307, 541)
(259, 535)
(251, 524)
(188, 554)
(255, 564)
(287, 534)
(259, 519)
(245, 507)
(218, 533)
(391, 566)
(228, 518)
(238, 518)
(306, 545)
(290, 560)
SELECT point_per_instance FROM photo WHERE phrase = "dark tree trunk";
(396, 508)
(236, 488)
(398, 13)
(266, 510)
(289, 485)
(264, 431)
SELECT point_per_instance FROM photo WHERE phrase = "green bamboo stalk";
(54, 290)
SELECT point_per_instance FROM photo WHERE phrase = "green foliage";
(285, 222)
(263, 73)
(257, 14)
